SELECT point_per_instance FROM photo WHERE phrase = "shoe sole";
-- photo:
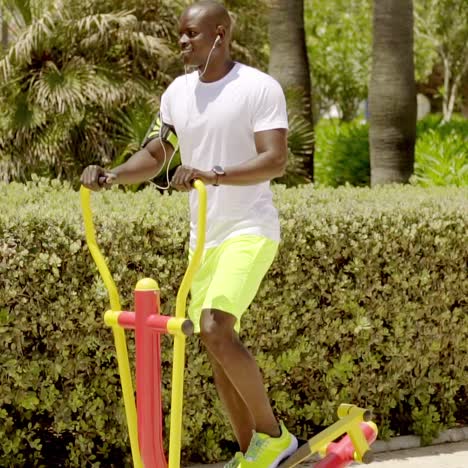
(287, 453)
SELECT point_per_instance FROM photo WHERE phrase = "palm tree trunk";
(289, 62)
(392, 93)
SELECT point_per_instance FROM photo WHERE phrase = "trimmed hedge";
(365, 303)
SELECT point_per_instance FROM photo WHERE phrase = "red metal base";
(341, 454)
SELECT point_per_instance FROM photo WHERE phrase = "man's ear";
(221, 34)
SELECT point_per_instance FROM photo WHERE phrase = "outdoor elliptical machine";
(145, 419)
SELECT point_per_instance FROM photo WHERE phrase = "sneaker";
(268, 452)
(235, 461)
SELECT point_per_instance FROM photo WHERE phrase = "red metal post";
(148, 376)
(157, 323)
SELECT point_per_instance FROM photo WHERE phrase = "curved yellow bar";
(197, 254)
(178, 365)
(119, 334)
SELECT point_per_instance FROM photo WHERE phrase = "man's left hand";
(185, 176)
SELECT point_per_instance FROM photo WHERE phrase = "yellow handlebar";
(175, 437)
(85, 197)
(118, 332)
(198, 252)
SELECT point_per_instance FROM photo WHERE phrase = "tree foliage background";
(80, 81)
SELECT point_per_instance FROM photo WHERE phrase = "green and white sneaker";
(235, 461)
(268, 452)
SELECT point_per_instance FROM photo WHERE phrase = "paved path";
(451, 455)
(454, 455)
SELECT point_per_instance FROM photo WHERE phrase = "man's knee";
(216, 327)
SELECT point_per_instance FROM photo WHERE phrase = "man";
(231, 125)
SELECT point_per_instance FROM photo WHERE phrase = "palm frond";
(58, 90)
(102, 24)
(66, 79)
(113, 89)
(20, 11)
(34, 38)
(150, 44)
(106, 32)
(301, 147)
(24, 116)
(130, 126)
(301, 135)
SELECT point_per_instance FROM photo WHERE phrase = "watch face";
(218, 170)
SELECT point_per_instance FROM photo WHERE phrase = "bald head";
(204, 37)
(212, 12)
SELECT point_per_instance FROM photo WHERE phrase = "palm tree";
(81, 85)
(65, 76)
(289, 62)
(392, 93)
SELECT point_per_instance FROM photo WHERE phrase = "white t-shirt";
(215, 125)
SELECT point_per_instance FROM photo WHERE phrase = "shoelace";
(255, 448)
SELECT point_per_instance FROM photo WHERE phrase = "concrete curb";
(458, 434)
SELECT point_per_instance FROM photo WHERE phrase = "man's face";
(196, 37)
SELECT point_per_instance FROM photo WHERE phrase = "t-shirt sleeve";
(165, 109)
(270, 108)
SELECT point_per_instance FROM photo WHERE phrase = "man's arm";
(143, 165)
(272, 150)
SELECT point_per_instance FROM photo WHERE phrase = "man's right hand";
(96, 178)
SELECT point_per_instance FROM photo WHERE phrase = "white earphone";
(215, 44)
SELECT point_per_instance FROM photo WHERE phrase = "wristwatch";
(219, 171)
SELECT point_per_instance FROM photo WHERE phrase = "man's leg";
(241, 387)
(233, 273)
(239, 414)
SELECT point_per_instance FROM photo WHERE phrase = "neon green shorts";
(229, 276)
